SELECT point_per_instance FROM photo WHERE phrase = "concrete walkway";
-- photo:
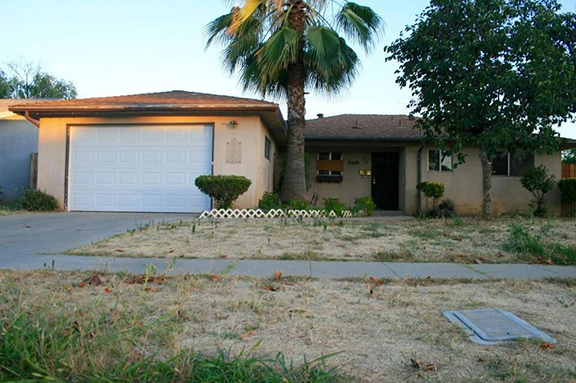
(265, 268)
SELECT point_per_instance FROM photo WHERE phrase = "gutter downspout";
(30, 119)
(419, 179)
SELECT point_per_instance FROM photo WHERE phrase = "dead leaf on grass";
(542, 261)
(247, 334)
(376, 281)
(180, 315)
(269, 288)
(68, 288)
(480, 260)
(547, 346)
(151, 289)
(108, 290)
(277, 275)
(92, 280)
(119, 251)
(423, 366)
(215, 278)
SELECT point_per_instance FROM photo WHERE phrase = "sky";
(117, 47)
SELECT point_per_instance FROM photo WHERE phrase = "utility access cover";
(493, 326)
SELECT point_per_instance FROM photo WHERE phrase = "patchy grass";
(172, 328)
(466, 240)
(11, 210)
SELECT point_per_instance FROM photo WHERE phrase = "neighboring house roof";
(172, 102)
(362, 127)
(5, 103)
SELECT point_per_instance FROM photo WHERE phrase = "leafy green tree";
(4, 85)
(569, 156)
(283, 48)
(30, 81)
(491, 74)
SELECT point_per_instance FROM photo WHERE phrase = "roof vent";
(356, 126)
(320, 115)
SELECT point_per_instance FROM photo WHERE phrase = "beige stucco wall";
(463, 185)
(249, 132)
(353, 185)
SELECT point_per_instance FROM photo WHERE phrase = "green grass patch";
(38, 346)
(534, 246)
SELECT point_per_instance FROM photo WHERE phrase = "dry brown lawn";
(466, 241)
(375, 335)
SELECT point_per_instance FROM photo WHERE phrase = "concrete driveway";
(27, 235)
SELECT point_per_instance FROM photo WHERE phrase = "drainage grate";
(493, 326)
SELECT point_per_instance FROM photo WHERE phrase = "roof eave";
(365, 139)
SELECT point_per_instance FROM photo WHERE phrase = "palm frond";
(244, 13)
(279, 51)
(217, 29)
(361, 23)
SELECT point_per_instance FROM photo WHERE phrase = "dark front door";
(385, 180)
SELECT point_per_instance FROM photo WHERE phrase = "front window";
(267, 147)
(329, 156)
(512, 164)
(440, 161)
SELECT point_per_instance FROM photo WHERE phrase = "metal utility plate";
(494, 326)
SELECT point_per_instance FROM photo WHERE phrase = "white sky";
(111, 47)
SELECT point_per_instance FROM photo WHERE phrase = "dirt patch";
(466, 241)
(376, 334)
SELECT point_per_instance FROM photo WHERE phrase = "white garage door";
(139, 168)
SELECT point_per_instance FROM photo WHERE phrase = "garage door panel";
(139, 168)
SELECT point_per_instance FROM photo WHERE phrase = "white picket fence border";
(275, 213)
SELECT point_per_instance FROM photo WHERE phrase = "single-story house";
(354, 156)
(143, 153)
(18, 141)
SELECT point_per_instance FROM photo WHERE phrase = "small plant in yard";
(568, 191)
(537, 181)
(433, 191)
(224, 189)
(38, 200)
(531, 242)
(334, 204)
(270, 201)
(445, 209)
(365, 204)
(298, 204)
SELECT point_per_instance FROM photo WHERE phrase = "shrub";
(365, 204)
(537, 181)
(270, 201)
(445, 209)
(224, 189)
(433, 191)
(334, 204)
(298, 204)
(38, 200)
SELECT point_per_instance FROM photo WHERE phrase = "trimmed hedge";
(432, 189)
(224, 189)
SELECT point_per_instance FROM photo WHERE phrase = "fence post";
(33, 171)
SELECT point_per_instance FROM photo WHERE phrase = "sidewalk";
(265, 268)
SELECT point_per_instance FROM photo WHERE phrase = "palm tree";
(284, 47)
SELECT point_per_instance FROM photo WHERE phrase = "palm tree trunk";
(486, 183)
(294, 184)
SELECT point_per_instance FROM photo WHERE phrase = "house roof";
(362, 127)
(176, 99)
(172, 102)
